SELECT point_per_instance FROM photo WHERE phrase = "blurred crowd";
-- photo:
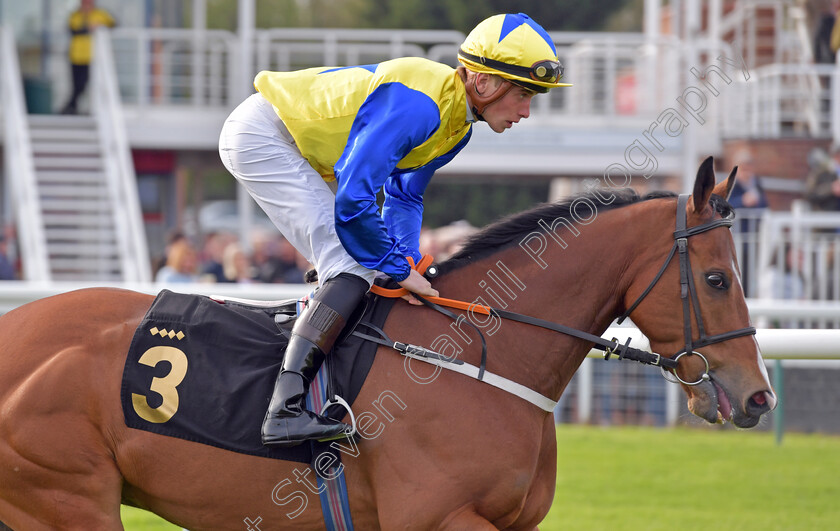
(268, 258)
(221, 257)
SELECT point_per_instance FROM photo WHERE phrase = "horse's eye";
(717, 281)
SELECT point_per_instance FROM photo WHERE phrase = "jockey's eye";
(717, 280)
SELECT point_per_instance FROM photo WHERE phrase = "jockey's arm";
(393, 120)
(402, 210)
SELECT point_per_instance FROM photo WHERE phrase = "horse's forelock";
(722, 206)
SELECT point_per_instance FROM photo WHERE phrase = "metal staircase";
(74, 187)
(76, 210)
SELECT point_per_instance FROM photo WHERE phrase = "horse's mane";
(511, 229)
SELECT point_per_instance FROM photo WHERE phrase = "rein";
(688, 295)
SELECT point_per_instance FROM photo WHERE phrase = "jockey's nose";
(525, 110)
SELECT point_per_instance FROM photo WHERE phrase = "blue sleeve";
(391, 122)
(403, 207)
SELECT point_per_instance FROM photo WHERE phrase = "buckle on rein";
(625, 351)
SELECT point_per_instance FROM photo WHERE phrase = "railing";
(296, 48)
(16, 294)
(608, 392)
(783, 100)
(617, 76)
(788, 256)
(611, 71)
(745, 234)
(598, 388)
(181, 67)
(799, 259)
(119, 168)
(19, 166)
(757, 26)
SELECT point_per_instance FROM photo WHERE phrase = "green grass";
(679, 479)
(140, 520)
(646, 479)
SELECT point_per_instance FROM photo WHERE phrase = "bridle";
(688, 293)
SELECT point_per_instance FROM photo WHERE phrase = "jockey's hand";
(417, 283)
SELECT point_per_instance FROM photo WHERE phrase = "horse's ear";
(724, 188)
(704, 185)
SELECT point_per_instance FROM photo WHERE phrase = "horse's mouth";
(720, 408)
(724, 406)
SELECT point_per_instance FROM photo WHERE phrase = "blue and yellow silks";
(375, 127)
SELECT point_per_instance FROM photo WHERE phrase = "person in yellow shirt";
(81, 24)
(370, 128)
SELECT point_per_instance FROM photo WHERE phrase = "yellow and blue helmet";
(515, 48)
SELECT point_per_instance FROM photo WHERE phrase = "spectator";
(159, 261)
(749, 199)
(822, 185)
(835, 30)
(181, 264)
(212, 269)
(265, 257)
(785, 279)
(7, 270)
(236, 266)
(81, 24)
(824, 47)
(445, 241)
(293, 265)
(747, 191)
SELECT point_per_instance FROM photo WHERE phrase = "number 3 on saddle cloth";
(203, 370)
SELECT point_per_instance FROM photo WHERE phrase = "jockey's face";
(512, 107)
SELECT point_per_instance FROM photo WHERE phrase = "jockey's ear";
(487, 84)
(724, 188)
(704, 185)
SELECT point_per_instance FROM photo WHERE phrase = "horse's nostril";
(758, 404)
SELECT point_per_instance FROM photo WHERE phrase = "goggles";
(546, 71)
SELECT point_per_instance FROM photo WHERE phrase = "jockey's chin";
(500, 126)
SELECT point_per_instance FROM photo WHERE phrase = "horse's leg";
(467, 518)
(65, 484)
(32, 519)
(49, 511)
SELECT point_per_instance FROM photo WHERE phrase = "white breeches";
(257, 148)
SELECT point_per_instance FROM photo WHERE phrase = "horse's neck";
(580, 286)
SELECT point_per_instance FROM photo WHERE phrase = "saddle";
(202, 369)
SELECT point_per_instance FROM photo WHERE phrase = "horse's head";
(696, 311)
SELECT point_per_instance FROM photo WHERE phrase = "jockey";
(385, 126)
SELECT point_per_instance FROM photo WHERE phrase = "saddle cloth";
(204, 371)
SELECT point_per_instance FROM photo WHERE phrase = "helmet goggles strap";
(480, 102)
(546, 71)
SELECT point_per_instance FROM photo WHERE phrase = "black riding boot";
(287, 422)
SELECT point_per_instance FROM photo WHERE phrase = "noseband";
(688, 293)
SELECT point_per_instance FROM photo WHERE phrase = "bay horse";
(458, 453)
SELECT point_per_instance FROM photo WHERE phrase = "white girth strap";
(542, 402)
